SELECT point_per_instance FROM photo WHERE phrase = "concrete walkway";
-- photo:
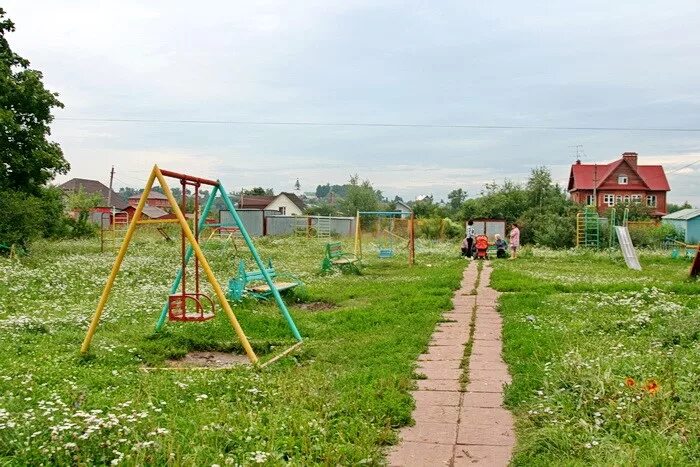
(452, 427)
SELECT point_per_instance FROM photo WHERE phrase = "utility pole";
(595, 186)
(109, 194)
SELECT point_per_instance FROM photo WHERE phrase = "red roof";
(582, 175)
(255, 202)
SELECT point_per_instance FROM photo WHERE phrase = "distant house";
(107, 205)
(285, 203)
(94, 187)
(687, 221)
(619, 182)
(149, 212)
(155, 199)
(404, 208)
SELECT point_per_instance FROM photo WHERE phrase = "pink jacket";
(515, 237)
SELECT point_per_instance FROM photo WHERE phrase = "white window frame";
(626, 199)
(623, 180)
(283, 210)
(637, 199)
(651, 201)
(618, 199)
(609, 199)
(589, 200)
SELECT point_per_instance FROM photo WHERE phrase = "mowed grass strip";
(605, 360)
(336, 400)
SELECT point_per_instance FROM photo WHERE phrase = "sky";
(503, 63)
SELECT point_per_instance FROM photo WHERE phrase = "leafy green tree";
(671, 207)
(456, 198)
(28, 160)
(258, 191)
(81, 202)
(360, 197)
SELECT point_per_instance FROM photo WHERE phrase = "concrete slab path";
(455, 427)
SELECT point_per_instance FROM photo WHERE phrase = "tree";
(258, 191)
(456, 198)
(359, 197)
(670, 207)
(28, 160)
(81, 202)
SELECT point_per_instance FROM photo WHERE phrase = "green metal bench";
(335, 256)
(252, 283)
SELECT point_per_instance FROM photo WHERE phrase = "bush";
(436, 227)
(547, 229)
(653, 236)
(22, 218)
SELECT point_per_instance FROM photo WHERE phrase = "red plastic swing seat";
(177, 307)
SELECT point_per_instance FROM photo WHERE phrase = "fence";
(259, 223)
(288, 225)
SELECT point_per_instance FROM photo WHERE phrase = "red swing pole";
(196, 237)
(183, 301)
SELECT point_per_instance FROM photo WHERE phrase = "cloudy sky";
(505, 63)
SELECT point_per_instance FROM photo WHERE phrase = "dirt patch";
(317, 306)
(206, 359)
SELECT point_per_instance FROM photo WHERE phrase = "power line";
(378, 125)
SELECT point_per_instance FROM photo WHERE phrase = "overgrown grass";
(605, 360)
(335, 401)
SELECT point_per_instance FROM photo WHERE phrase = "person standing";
(470, 237)
(514, 240)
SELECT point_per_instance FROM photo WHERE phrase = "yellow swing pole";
(358, 237)
(117, 263)
(205, 265)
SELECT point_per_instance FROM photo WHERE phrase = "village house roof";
(94, 187)
(255, 202)
(593, 176)
(152, 195)
(684, 214)
(294, 199)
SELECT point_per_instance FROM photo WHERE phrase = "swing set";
(390, 230)
(183, 305)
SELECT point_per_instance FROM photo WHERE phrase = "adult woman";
(514, 236)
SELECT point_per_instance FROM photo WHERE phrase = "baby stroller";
(482, 246)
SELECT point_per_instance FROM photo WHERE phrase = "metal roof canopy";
(683, 214)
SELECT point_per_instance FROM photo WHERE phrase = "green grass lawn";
(605, 360)
(335, 401)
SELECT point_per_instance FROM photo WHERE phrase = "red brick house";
(619, 182)
(155, 199)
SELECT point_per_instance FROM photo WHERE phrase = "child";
(466, 248)
(501, 246)
(514, 240)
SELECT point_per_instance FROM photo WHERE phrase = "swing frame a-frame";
(193, 249)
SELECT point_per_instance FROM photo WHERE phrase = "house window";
(609, 200)
(636, 198)
(619, 199)
(627, 199)
(589, 200)
(283, 210)
(622, 179)
(651, 201)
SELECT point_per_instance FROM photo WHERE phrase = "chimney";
(578, 161)
(630, 158)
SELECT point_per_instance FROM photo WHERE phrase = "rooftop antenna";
(579, 152)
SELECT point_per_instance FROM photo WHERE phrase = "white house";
(285, 203)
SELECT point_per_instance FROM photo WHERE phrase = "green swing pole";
(261, 265)
(188, 256)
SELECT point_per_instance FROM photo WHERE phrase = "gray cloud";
(506, 63)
